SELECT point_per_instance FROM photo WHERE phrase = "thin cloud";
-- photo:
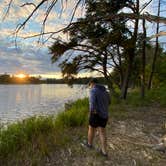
(30, 55)
(26, 58)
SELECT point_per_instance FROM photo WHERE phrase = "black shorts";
(96, 121)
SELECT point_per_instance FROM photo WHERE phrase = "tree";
(97, 45)
(103, 44)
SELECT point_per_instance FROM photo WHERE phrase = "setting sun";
(21, 75)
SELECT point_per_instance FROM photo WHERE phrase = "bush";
(157, 95)
(75, 116)
(43, 132)
(18, 135)
(153, 96)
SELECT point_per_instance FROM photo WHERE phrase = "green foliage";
(75, 116)
(92, 42)
(38, 136)
(8, 79)
(160, 73)
(59, 48)
(134, 98)
(18, 135)
(155, 96)
(41, 134)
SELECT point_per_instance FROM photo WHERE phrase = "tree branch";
(8, 9)
(72, 17)
(158, 35)
(28, 4)
(146, 16)
(47, 14)
(93, 69)
(145, 5)
(28, 18)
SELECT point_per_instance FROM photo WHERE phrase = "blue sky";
(30, 56)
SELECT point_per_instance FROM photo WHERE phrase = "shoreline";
(56, 140)
(65, 108)
(24, 130)
(23, 101)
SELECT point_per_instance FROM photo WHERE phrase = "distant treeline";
(8, 79)
(79, 80)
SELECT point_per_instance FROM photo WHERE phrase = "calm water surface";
(21, 101)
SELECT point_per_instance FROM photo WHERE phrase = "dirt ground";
(131, 138)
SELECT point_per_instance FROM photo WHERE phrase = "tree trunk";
(120, 67)
(131, 56)
(109, 82)
(126, 79)
(155, 53)
(143, 61)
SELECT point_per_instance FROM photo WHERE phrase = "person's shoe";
(86, 144)
(103, 154)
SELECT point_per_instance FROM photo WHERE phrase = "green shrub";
(17, 135)
(153, 96)
(157, 95)
(43, 132)
(75, 116)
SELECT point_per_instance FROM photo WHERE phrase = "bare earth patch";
(130, 141)
(131, 137)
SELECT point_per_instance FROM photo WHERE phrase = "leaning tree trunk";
(155, 53)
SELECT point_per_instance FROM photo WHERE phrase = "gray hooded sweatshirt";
(99, 100)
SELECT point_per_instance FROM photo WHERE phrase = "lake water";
(21, 101)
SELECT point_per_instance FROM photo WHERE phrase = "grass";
(40, 135)
(75, 116)
(155, 96)
(22, 135)
(158, 95)
(36, 137)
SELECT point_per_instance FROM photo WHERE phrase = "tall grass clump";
(153, 96)
(134, 99)
(157, 95)
(75, 116)
(19, 135)
(39, 135)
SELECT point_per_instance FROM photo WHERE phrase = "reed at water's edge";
(45, 133)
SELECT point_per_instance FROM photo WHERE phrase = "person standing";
(99, 101)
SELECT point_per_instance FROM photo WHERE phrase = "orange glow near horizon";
(21, 75)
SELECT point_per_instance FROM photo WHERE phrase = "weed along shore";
(56, 140)
(32, 139)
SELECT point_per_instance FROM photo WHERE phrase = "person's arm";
(92, 101)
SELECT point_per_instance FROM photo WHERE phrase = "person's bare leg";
(91, 133)
(103, 139)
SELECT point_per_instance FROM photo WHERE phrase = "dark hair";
(93, 80)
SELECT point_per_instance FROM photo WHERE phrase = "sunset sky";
(31, 57)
